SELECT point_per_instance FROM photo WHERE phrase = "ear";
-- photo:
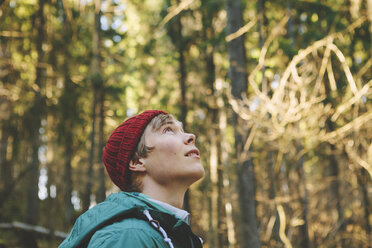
(137, 165)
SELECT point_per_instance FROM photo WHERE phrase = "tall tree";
(97, 81)
(176, 34)
(335, 187)
(218, 232)
(34, 116)
(362, 183)
(181, 48)
(262, 24)
(5, 118)
(89, 175)
(305, 241)
(304, 229)
(238, 76)
(68, 101)
(68, 110)
(101, 192)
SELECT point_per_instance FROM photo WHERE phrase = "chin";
(198, 174)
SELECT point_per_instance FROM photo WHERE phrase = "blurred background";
(277, 92)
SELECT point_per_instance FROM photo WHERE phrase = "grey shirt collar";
(179, 213)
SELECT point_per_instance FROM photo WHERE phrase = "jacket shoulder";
(130, 232)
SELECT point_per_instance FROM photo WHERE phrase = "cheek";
(168, 148)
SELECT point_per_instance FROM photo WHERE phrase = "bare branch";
(354, 156)
(175, 10)
(341, 132)
(352, 101)
(241, 31)
(37, 229)
(282, 235)
(304, 53)
(331, 77)
(248, 143)
(346, 68)
(297, 110)
(12, 34)
(325, 62)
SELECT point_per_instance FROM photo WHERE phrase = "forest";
(278, 94)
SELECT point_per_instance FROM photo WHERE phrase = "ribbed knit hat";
(122, 144)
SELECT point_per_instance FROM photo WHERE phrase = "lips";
(193, 153)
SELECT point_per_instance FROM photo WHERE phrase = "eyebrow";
(172, 122)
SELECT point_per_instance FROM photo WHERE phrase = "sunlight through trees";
(278, 94)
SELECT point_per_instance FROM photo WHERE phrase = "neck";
(171, 195)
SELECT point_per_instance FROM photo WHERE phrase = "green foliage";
(139, 69)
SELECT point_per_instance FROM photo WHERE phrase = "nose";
(189, 138)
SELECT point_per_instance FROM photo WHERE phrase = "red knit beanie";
(122, 144)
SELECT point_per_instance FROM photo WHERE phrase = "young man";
(153, 161)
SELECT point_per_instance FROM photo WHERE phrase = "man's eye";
(168, 129)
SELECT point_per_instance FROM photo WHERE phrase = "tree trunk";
(290, 24)
(89, 175)
(68, 101)
(363, 184)
(51, 201)
(35, 115)
(262, 23)
(272, 195)
(5, 169)
(101, 193)
(238, 76)
(69, 210)
(304, 229)
(67, 104)
(182, 82)
(218, 235)
(96, 77)
(221, 220)
(5, 125)
(218, 232)
(333, 172)
(213, 214)
(369, 10)
(182, 69)
(335, 186)
(10, 183)
(231, 234)
(32, 209)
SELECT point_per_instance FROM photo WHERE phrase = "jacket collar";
(179, 213)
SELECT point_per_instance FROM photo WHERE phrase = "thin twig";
(241, 31)
(173, 11)
(282, 235)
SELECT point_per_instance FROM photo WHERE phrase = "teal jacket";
(130, 220)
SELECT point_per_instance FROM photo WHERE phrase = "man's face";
(174, 158)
